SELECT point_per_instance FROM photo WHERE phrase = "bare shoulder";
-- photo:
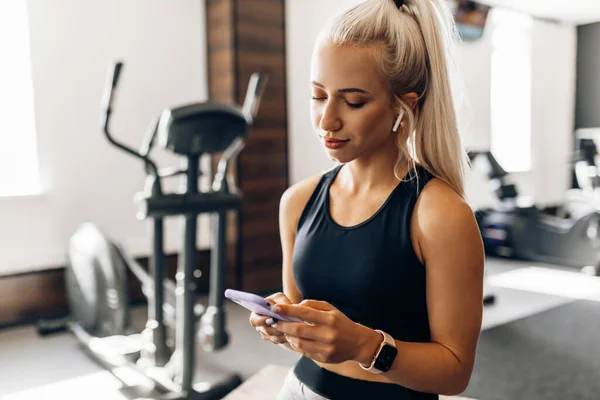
(439, 199)
(295, 198)
(440, 214)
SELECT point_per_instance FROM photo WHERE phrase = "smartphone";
(257, 304)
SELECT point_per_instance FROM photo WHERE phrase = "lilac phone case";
(256, 304)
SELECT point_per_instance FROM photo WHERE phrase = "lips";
(334, 144)
(333, 140)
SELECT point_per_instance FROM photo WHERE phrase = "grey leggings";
(293, 389)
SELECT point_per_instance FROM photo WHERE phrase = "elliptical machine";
(96, 273)
(515, 230)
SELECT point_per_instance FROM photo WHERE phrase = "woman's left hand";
(331, 337)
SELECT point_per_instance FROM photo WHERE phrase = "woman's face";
(350, 103)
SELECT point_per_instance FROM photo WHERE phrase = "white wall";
(303, 20)
(553, 108)
(473, 106)
(553, 93)
(163, 47)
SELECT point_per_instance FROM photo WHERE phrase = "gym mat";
(551, 355)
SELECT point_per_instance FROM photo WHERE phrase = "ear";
(411, 98)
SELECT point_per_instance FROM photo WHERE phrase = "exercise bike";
(515, 230)
(96, 272)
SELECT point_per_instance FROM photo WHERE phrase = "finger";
(278, 298)
(307, 314)
(261, 320)
(292, 342)
(258, 320)
(314, 350)
(301, 330)
(269, 331)
(278, 339)
(318, 305)
(274, 339)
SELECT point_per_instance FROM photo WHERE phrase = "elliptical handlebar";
(112, 79)
(149, 137)
(254, 93)
(256, 88)
(111, 83)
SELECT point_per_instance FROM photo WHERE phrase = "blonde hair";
(412, 45)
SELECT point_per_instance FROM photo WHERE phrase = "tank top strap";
(319, 195)
(417, 178)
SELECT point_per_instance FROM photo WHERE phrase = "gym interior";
(146, 147)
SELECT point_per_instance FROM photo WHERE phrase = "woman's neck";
(373, 171)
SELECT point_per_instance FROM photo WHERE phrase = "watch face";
(386, 358)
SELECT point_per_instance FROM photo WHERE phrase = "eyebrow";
(345, 90)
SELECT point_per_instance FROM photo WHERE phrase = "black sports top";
(370, 272)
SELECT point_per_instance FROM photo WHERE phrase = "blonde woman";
(382, 255)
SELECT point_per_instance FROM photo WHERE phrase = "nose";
(330, 120)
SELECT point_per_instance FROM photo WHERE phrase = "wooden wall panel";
(221, 58)
(26, 298)
(256, 37)
(261, 41)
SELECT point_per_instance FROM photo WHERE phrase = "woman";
(382, 256)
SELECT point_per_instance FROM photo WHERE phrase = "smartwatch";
(384, 357)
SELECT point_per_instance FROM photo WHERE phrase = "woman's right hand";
(263, 324)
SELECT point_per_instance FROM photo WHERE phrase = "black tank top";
(370, 272)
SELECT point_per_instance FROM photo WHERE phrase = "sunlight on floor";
(100, 385)
(573, 285)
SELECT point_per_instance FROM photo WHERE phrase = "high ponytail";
(412, 46)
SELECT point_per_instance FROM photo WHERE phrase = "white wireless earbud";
(397, 124)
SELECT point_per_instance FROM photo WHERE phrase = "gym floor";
(54, 367)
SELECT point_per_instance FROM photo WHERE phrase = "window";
(19, 172)
(511, 90)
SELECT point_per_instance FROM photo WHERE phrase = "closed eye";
(355, 105)
(351, 105)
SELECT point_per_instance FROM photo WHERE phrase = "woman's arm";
(449, 243)
(288, 221)
(292, 203)
(290, 208)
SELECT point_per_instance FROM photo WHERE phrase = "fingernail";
(270, 321)
(274, 325)
(275, 309)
